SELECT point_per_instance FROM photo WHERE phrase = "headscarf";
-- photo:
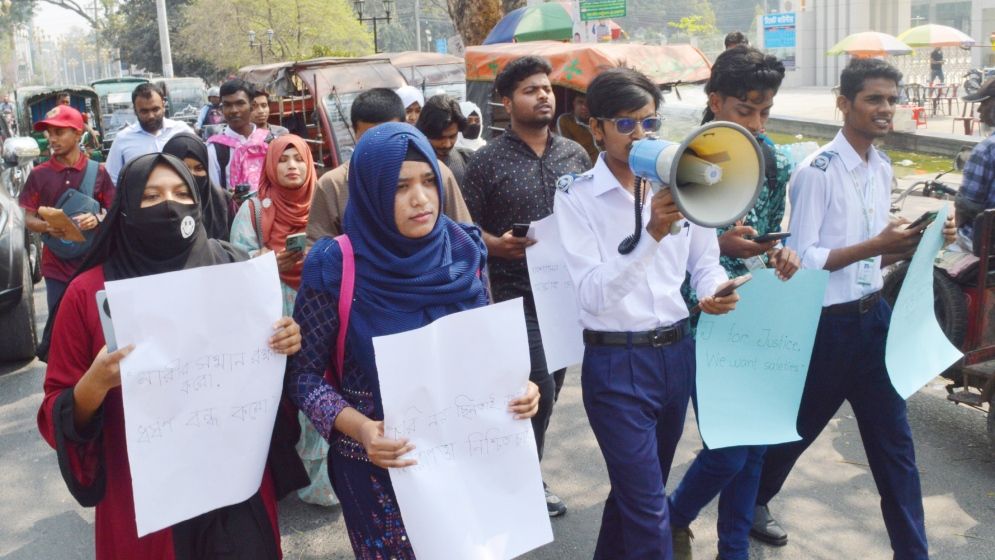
(437, 271)
(213, 203)
(468, 108)
(169, 236)
(410, 94)
(288, 209)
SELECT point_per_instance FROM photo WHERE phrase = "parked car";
(18, 256)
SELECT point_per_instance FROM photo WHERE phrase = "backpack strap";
(346, 292)
(222, 149)
(256, 215)
(89, 178)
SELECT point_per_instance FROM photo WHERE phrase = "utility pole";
(418, 25)
(167, 53)
(96, 39)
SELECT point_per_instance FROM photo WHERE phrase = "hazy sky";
(58, 21)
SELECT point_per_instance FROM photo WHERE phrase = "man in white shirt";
(840, 198)
(638, 369)
(148, 135)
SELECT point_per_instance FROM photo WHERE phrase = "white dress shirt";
(635, 292)
(214, 166)
(838, 200)
(133, 141)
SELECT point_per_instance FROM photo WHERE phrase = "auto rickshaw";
(34, 102)
(574, 66)
(184, 98)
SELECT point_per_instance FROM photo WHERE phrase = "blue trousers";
(636, 400)
(732, 474)
(848, 364)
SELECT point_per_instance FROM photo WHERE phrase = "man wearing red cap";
(67, 169)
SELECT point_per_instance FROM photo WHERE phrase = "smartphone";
(104, 311)
(520, 230)
(924, 220)
(296, 242)
(726, 288)
(768, 237)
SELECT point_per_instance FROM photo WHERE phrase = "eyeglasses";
(627, 125)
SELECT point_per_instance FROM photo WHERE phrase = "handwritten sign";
(917, 350)
(202, 387)
(555, 298)
(476, 492)
(752, 362)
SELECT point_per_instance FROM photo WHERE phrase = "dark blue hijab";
(395, 272)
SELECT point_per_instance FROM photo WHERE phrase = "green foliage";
(693, 26)
(217, 31)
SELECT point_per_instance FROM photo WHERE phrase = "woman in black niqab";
(213, 202)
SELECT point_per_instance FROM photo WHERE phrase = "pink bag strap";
(346, 292)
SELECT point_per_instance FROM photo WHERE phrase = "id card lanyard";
(865, 268)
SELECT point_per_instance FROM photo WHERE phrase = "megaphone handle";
(676, 227)
(629, 243)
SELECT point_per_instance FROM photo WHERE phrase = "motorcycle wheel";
(949, 304)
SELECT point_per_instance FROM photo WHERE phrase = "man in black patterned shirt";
(512, 180)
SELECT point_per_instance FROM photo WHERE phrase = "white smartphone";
(104, 310)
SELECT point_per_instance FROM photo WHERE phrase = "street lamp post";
(268, 44)
(387, 5)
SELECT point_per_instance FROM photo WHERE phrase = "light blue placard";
(752, 362)
(917, 350)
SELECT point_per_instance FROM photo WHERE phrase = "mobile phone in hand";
(104, 312)
(726, 289)
(520, 230)
(296, 242)
(924, 220)
(768, 237)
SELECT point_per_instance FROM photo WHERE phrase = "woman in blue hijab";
(413, 265)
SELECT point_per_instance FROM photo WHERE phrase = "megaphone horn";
(715, 174)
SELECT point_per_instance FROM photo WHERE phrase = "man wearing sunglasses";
(639, 362)
(741, 90)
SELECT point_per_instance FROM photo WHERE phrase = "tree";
(217, 31)
(136, 34)
(474, 19)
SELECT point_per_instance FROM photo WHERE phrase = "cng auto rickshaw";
(574, 66)
(34, 102)
(184, 98)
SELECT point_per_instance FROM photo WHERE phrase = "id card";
(865, 272)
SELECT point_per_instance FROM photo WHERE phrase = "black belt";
(855, 307)
(656, 338)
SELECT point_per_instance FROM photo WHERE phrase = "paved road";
(829, 505)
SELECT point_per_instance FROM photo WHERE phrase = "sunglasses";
(627, 125)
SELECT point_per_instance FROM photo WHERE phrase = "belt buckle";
(658, 338)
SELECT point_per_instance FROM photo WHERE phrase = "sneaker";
(554, 505)
(766, 529)
(682, 542)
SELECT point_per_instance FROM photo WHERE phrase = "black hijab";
(166, 237)
(213, 202)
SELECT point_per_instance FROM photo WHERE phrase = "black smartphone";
(924, 220)
(768, 237)
(520, 230)
(726, 288)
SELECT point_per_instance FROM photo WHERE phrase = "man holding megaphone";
(639, 363)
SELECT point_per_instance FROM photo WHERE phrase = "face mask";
(163, 231)
(472, 132)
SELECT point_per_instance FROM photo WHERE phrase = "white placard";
(555, 297)
(476, 492)
(201, 388)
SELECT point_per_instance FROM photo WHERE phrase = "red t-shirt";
(45, 184)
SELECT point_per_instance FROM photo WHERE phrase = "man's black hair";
(736, 38)
(517, 70)
(740, 70)
(231, 87)
(259, 93)
(620, 90)
(862, 69)
(376, 106)
(438, 114)
(145, 91)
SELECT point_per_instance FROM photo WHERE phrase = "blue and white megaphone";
(715, 175)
